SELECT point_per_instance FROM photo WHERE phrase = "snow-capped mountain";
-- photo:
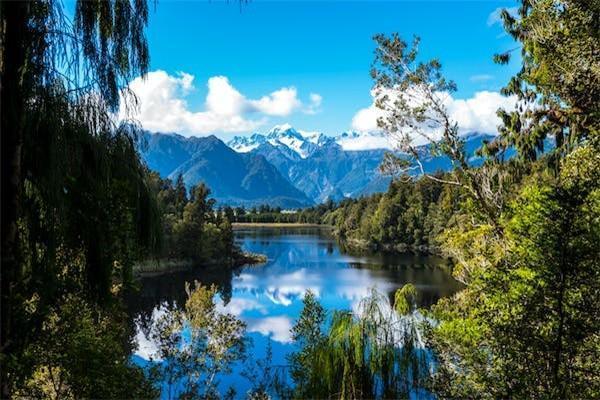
(324, 167)
(306, 143)
(321, 166)
(284, 166)
(302, 143)
(244, 144)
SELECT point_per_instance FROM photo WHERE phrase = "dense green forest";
(79, 209)
(191, 228)
(524, 233)
(411, 215)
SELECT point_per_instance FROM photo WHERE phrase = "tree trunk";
(12, 63)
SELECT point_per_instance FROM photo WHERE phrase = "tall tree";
(558, 84)
(526, 244)
(51, 68)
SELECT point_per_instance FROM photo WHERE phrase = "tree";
(189, 230)
(229, 214)
(411, 96)
(197, 345)
(64, 163)
(180, 195)
(526, 326)
(372, 353)
(558, 84)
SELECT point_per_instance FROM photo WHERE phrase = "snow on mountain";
(300, 142)
(245, 144)
(289, 137)
(305, 143)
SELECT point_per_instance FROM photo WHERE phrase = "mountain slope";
(234, 178)
(285, 166)
(332, 171)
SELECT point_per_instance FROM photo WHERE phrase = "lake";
(268, 298)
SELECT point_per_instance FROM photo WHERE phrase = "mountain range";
(284, 167)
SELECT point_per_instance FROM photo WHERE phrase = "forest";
(79, 209)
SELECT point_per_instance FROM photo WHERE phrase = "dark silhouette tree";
(65, 163)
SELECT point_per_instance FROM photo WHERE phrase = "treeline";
(268, 214)
(409, 216)
(191, 228)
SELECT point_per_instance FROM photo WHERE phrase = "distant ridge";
(234, 178)
(284, 167)
(326, 167)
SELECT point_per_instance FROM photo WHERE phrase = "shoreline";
(157, 267)
(277, 225)
(354, 244)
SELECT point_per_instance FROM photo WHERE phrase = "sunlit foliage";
(373, 353)
(196, 346)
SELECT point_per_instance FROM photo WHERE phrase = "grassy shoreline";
(163, 266)
(277, 225)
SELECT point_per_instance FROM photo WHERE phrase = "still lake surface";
(268, 298)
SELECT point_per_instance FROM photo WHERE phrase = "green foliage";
(528, 317)
(191, 228)
(197, 345)
(559, 80)
(86, 216)
(372, 354)
(410, 215)
(525, 240)
(405, 299)
(79, 353)
(76, 209)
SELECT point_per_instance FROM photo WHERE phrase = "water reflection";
(268, 298)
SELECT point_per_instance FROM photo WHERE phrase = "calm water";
(268, 298)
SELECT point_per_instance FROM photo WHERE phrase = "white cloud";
(162, 105)
(476, 114)
(277, 327)
(315, 104)
(367, 140)
(280, 103)
(223, 99)
(365, 120)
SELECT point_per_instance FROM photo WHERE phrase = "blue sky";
(318, 48)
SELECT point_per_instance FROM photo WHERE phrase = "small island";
(194, 235)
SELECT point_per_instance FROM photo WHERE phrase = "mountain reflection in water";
(268, 298)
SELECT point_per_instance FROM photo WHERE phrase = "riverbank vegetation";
(410, 216)
(526, 233)
(79, 209)
(193, 232)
